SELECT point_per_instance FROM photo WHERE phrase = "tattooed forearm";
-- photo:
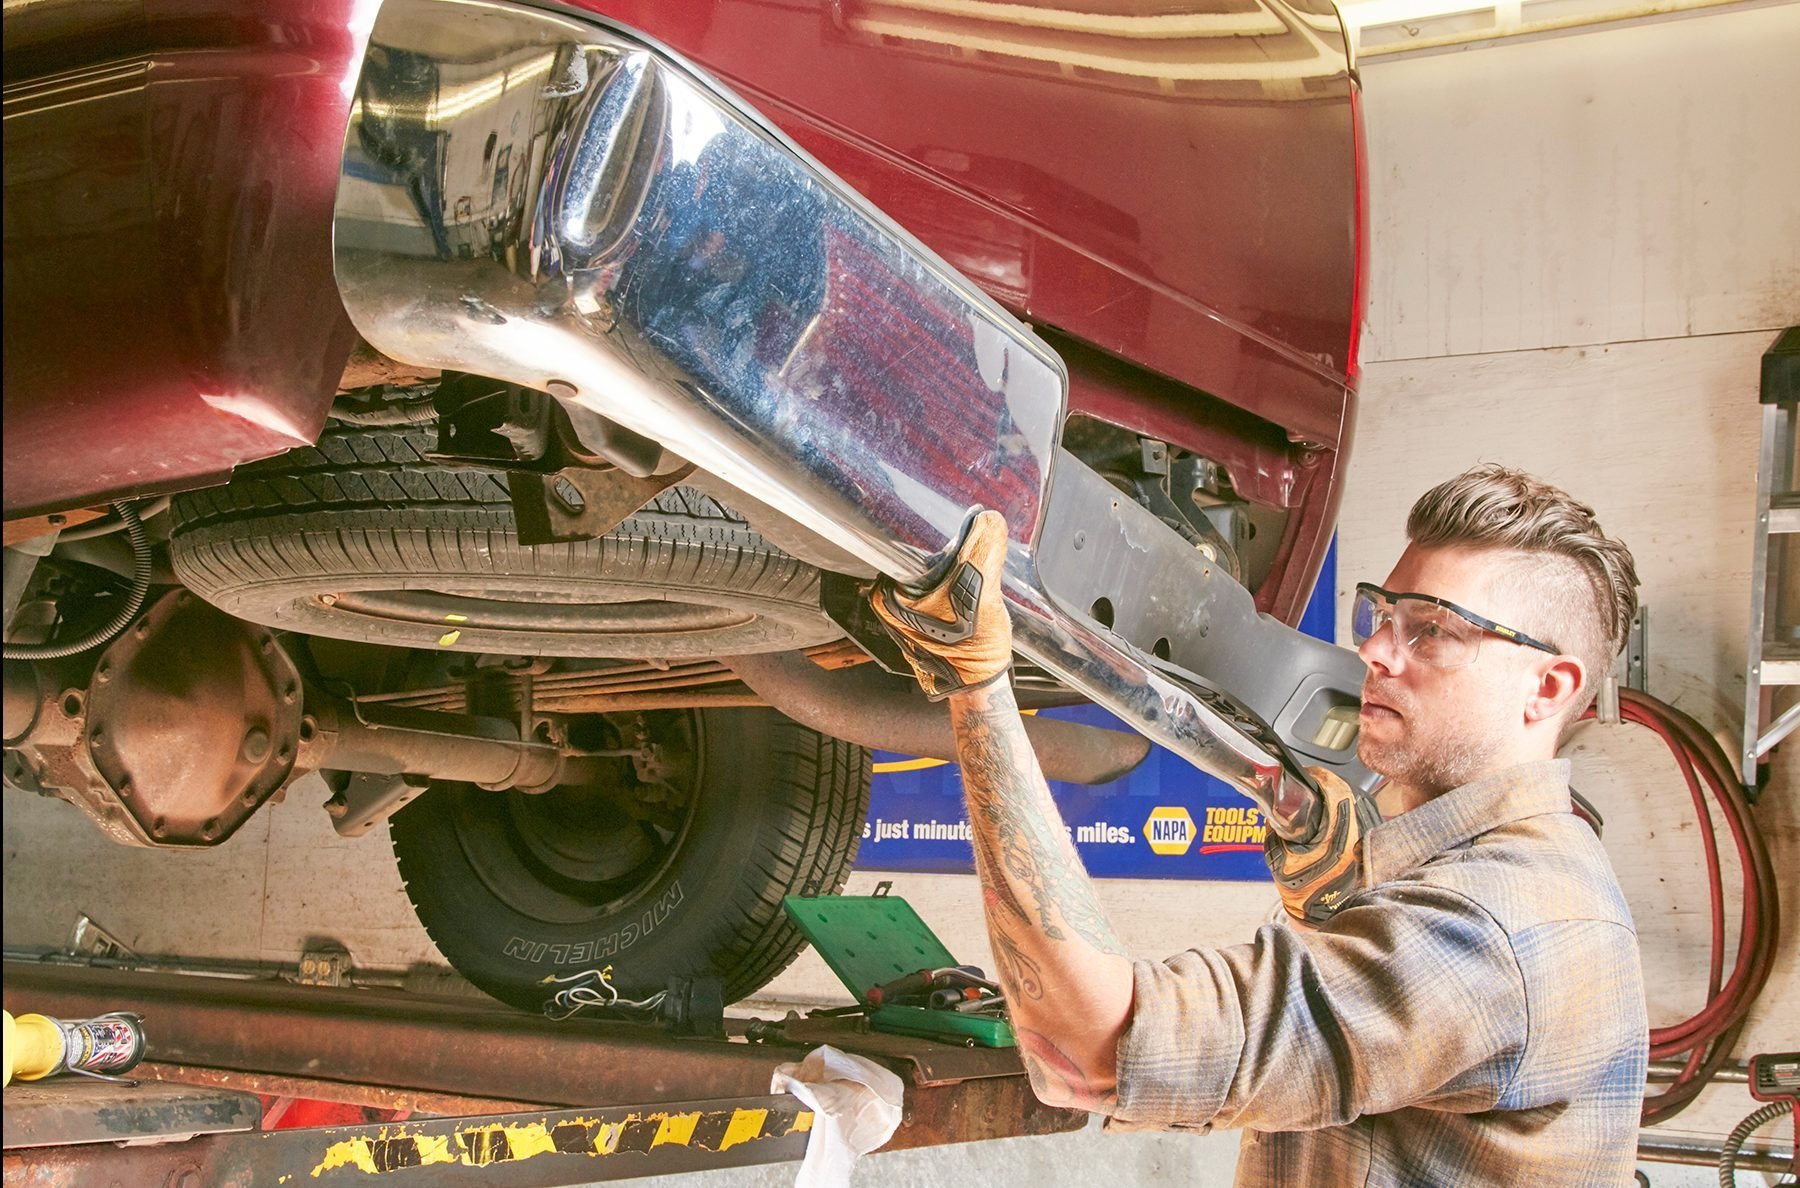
(1008, 851)
(1068, 981)
(1016, 828)
(1018, 972)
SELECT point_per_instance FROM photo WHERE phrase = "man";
(1474, 1012)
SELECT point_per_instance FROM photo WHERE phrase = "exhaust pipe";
(867, 706)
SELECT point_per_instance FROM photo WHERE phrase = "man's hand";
(955, 635)
(1316, 878)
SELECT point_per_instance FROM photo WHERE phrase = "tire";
(776, 809)
(361, 538)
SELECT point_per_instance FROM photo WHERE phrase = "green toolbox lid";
(867, 940)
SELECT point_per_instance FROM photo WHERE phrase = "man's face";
(1437, 728)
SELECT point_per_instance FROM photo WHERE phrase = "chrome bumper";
(554, 201)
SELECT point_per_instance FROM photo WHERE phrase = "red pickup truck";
(511, 402)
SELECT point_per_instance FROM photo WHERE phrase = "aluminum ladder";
(1773, 659)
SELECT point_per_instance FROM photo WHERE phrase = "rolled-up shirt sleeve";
(1411, 996)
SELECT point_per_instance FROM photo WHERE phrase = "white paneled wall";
(1623, 184)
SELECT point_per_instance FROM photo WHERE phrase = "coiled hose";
(1734, 1142)
(134, 601)
(1706, 1038)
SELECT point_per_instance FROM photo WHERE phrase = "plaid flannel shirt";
(1475, 1016)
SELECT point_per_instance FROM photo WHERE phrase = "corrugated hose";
(1738, 1137)
(134, 601)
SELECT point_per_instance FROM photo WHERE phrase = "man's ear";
(1556, 681)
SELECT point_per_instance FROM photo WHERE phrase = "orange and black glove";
(1317, 877)
(956, 635)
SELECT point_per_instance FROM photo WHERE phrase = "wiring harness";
(592, 990)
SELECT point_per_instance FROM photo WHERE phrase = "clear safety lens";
(1436, 635)
(1428, 633)
(1368, 614)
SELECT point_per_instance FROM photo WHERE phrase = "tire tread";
(368, 500)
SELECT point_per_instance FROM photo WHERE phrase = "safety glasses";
(1431, 630)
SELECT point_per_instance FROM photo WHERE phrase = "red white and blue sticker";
(1164, 820)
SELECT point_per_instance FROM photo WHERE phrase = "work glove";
(1315, 878)
(955, 635)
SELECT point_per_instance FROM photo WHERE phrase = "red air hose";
(1706, 1038)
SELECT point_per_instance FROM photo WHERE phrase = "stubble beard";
(1431, 761)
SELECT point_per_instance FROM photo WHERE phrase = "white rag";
(856, 1108)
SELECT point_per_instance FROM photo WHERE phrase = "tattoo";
(994, 865)
(996, 890)
(1055, 1077)
(1001, 777)
(1018, 973)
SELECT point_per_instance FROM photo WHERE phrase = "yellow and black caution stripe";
(499, 1140)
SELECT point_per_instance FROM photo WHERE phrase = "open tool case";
(870, 940)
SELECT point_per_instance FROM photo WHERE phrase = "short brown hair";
(1562, 551)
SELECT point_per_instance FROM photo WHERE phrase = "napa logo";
(1169, 830)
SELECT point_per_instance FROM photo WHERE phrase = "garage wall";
(1580, 248)
(1621, 185)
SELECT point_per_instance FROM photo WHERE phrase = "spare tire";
(516, 889)
(362, 538)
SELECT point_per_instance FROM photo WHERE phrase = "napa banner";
(1164, 820)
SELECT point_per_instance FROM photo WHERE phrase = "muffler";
(864, 705)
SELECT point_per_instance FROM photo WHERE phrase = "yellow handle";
(34, 1047)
